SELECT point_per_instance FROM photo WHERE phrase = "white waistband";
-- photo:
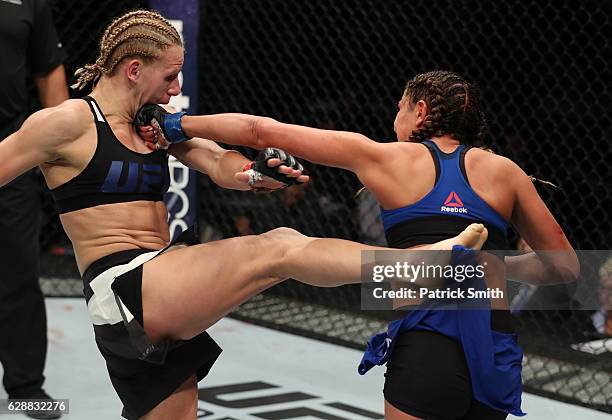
(103, 307)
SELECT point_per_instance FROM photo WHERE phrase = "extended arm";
(341, 149)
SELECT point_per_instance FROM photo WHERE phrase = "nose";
(175, 88)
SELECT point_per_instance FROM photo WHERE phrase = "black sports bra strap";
(434, 156)
(95, 110)
(462, 163)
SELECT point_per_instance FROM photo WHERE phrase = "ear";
(133, 69)
(421, 113)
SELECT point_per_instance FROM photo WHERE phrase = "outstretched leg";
(186, 291)
(333, 262)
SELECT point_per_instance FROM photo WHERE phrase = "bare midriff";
(103, 230)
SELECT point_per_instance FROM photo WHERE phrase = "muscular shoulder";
(62, 123)
(395, 161)
(50, 130)
(72, 117)
(485, 160)
(498, 169)
(401, 150)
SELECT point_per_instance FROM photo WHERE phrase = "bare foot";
(474, 236)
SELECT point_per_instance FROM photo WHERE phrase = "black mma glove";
(259, 167)
(167, 124)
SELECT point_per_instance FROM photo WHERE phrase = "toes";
(477, 227)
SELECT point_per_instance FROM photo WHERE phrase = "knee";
(283, 236)
(283, 242)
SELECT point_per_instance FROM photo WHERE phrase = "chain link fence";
(544, 71)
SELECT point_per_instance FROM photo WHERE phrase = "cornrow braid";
(453, 107)
(135, 17)
(140, 33)
(87, 73)
(118, 30)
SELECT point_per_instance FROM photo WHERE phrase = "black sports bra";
(115, 174)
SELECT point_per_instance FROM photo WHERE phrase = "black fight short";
(427, 376)
(142, 374)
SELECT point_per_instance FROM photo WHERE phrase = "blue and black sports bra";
(446, 210)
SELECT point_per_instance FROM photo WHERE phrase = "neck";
(116, 98)
(446, 143)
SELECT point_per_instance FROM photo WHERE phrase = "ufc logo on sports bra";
(453, 204)
(134, 177)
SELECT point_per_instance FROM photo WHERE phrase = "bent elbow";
(570, 271)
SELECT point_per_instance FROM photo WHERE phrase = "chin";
(161, 100)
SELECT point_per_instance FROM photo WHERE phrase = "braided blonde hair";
(140, 33)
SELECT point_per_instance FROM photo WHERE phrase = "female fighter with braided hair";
(431, 184)
(151, 300)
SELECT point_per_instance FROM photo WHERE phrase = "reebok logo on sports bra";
(453, 204)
